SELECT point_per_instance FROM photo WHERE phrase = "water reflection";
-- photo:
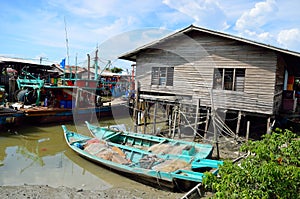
(40, 156)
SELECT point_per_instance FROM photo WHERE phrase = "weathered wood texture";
(194, 58)
(280, 70)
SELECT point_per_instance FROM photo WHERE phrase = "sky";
(55, 29)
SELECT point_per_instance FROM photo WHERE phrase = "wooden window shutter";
(170, 76)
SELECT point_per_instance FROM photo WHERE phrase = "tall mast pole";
(76, 68)
(67, 44)
(89, 60)
(96, 64)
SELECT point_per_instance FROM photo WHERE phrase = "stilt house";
(214, 71)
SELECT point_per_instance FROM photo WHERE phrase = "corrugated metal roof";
(19, 60)
(132, 54)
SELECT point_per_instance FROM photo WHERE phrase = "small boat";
(151, 143)
(166, 172)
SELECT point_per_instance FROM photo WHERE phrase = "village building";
(217, 82)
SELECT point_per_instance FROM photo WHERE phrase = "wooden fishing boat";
(173, 173)
(151, 143)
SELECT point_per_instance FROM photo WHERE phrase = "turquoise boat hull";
(163, 171)
(151, 143)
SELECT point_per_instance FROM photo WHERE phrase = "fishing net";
(169, 149)
(172, 165)
(102, 150)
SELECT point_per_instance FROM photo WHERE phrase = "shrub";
(270, 171)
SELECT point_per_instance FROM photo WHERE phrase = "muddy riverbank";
(227, 151)
(45, 192)
(36, 163)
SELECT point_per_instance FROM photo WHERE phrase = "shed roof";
(131, 56)
(20, 60)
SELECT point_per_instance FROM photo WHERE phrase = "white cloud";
(289, 38)
(254, 22)
(261, 14)
(205, 13)
(40, 25)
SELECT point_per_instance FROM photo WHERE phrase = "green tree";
(270, 171)
(116, 70)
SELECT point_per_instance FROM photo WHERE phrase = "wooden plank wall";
(280, 71)
(194, 58)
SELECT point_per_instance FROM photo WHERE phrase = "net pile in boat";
(102, 150)
(168, 148)
(172, 165)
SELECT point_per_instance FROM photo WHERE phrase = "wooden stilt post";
(170, 121)
(135, 112)
(154, 118)
(174, 121)
(213, 116)
(179, 120)
(145, 116)
(238, 125)
(269, 125)
(11, 88)
(206, 123)
(248, 129)
(196, 119)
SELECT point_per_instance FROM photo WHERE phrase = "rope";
(157, 178)
(219, 122)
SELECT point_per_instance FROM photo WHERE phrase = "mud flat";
(45, 192)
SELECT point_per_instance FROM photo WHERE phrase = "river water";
(38, 155)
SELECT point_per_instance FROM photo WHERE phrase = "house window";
(229, 79)
(162, 76)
